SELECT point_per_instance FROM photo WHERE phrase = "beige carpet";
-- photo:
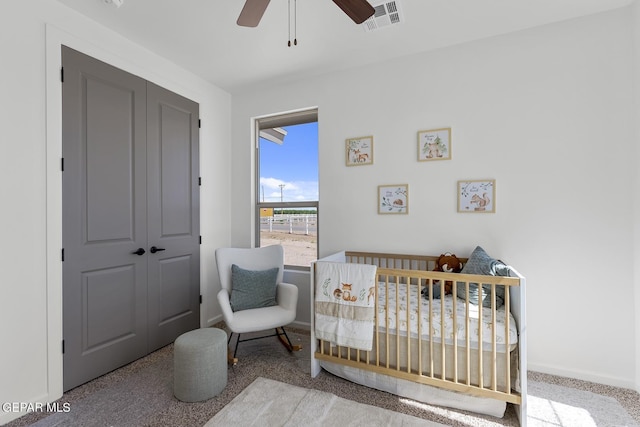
(272, 403)
(141, 395)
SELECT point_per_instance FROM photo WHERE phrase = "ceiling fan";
(358, 10)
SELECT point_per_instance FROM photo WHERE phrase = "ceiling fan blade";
(358, 10)
(252, 12)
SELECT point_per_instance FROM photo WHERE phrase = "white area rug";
(271, 403)
(557, 406)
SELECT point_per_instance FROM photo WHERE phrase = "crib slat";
(507, 343)
(494, 368)
(408, 320)
(454, 294)
(443, 347)
(431, 362)
(397, 323)
(468, 332)
(376, 324)
(420, 287)
(386, 330)
(480, 340)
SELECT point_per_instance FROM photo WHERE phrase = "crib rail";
(484, 369)
(395, 261)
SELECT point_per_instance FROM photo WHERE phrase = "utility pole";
(281, 199)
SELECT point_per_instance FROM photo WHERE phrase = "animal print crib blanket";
(345, 304)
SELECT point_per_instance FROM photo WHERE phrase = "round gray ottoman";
(199, 364)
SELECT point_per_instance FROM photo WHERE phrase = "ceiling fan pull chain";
(295, 22)
(289, 21)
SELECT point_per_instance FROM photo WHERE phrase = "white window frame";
(280, 120)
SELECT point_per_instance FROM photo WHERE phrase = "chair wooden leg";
(287, 344)
(232, 359)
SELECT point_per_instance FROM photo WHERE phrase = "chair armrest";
(287, 296)
(225, 305)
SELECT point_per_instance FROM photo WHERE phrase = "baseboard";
(212, 321)
(301, 325)
(583, 375)
(37, 404)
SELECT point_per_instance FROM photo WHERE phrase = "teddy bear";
(448, 263)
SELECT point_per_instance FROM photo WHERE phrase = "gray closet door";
(173, 215)
(124, 191)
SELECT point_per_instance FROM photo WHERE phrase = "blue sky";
(294, 164)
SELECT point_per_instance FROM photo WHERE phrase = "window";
(287, 185)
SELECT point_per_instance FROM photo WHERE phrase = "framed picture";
(477, 196)
(434, 144)
(393, 199)
(360, 151)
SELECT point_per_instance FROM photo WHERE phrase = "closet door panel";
(104, 218)
(174, 215)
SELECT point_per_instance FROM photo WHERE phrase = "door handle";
(140, 251)
(154, 249)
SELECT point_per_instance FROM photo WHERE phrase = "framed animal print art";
(393, 199)
(360, 151)
(477, 196)
(434, 144)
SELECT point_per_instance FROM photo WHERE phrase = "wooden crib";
(476, 354)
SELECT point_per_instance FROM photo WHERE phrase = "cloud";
(292, 191)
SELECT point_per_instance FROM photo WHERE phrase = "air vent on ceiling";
(387, 13)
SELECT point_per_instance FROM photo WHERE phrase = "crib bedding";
(422, 352)
(394, 311)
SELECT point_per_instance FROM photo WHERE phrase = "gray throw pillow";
(253, 289)
(481, 263)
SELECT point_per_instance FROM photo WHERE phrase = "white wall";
(636, 188)
(303, 312)
(547, 113)
(30, 219)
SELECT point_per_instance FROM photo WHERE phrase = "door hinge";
(62, 346)
(62, 164)
(63, 254)
(200, 181)
(200, 299)
(199, 123)
(62, 74)
(200, 239)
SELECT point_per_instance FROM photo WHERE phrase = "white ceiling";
(202, 35)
